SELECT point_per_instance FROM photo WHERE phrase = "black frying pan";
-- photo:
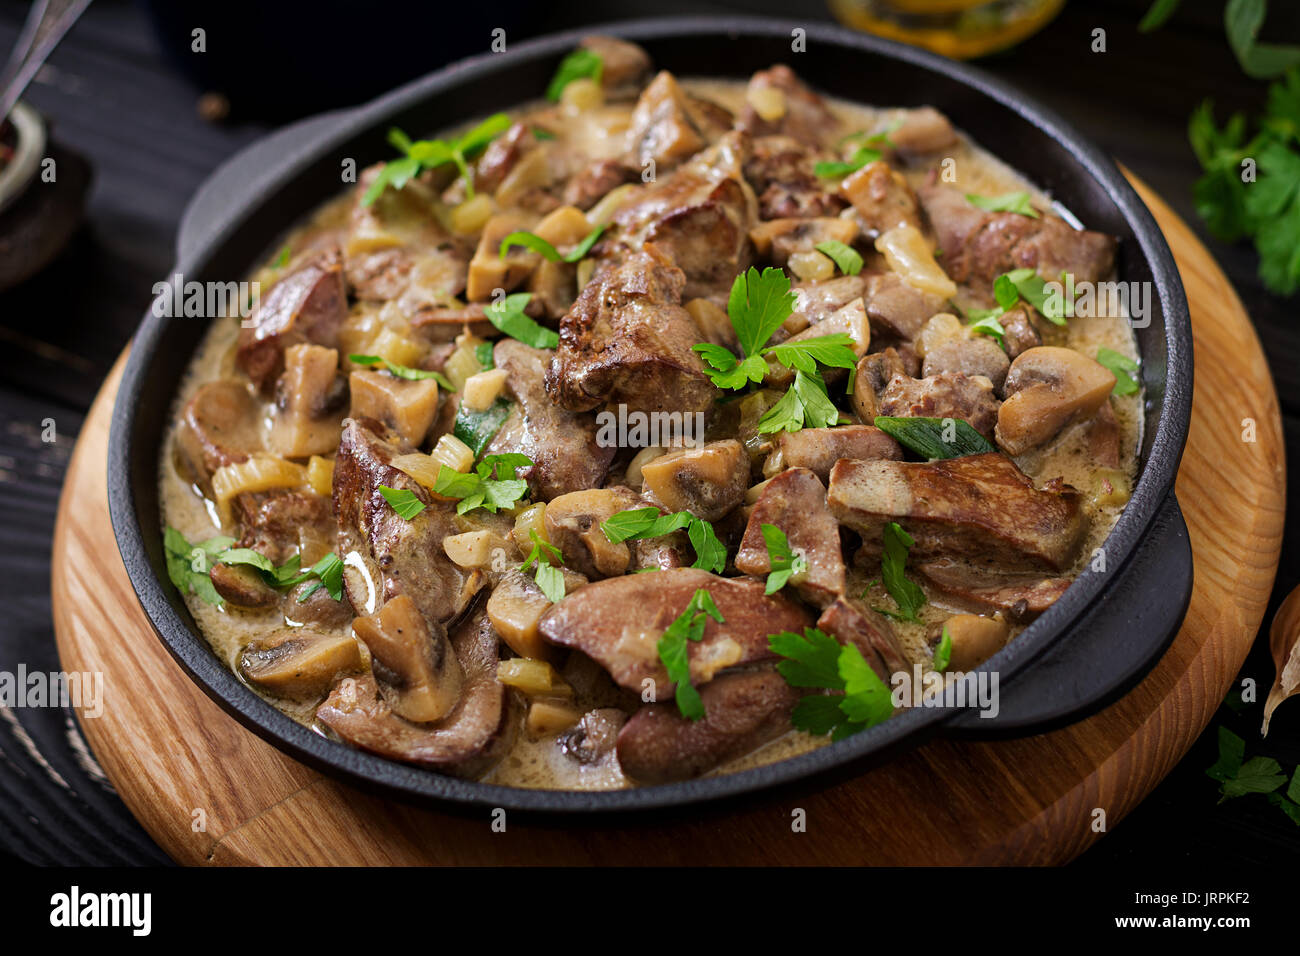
(1098, 640)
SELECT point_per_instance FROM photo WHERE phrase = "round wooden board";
(210, 792)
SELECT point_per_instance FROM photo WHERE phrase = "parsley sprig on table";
(188, 566)
(758, 305)
(710, 553)
(424, 154)
(674, 650)
(817, 660)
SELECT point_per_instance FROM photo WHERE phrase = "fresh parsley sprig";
(817, 660)
(580, 64)
(674, 650)
(1018, 202)
(861, 157)
(405, 502)
(1119, 365)
(785, 561)
(848, 259)
(710, 552)
(431, 153)
(547, 575)
(188, 567)
(493, 483)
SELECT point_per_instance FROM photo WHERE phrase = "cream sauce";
(541, 763)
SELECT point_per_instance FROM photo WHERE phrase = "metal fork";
(47, 23)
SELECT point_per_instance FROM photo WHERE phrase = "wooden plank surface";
(171, 752)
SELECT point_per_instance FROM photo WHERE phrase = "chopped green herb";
(548, 577)
(483, 355)
(880, 136)
(404, 371)
(531, 240)
(757, 306)
(432, 153)
(989, 325)
(539, 133)
(935, 437)
(943, 653)
(816, 660)
(1030, 287)
(1008, 202)
(282, 259)
(188, 564)
(492, 484)
(508, 317)
(861, 157)
(581, 63)
(834, 350)
(785, 562)
(674, 650)
(1155, 17)
(405, 502)
(843, 255)
(907, 594)
(1119, 366)
(710, 553)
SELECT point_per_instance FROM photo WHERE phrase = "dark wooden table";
(110, 94)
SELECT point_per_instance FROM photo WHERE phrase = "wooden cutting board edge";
(211, 792)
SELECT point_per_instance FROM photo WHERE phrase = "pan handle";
(1108, 651)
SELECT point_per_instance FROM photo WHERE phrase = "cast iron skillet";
(1096, 641)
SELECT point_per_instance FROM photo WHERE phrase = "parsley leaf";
(1238, 776)
(405, 502)
(861, 157)
(674, 652)
(548, 577)
(989, 325)
(432, 153)
(1119, 366)
(1156, 16)
(785, 562)
(404, 371)
(581, 63)
(805, 405)
(907, 594)
(834, 350)
(710, 552)
(843, 255)
(1242, 20)
(188, 567)
(943, 653)
(477, 428)
(816, 660)
(482, 488)
(728, 371)
(188, 564)
(508, 317)
(531, 240)
(935, 437)
(1031, 287)
(1008, 202)
(757, 306)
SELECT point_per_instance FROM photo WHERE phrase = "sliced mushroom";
(593, 739)
(708, 482)
(219, 426)
(818, 449)
(413, 663)
(242, 585)
(309, 403)
(874, 373)
(299, 664)
(1047, 388)
(407, 407)
(573, 525)
(515, 609)
(969, 355)
(974, 639)
(477, 732)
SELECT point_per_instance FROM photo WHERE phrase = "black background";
(114, 94)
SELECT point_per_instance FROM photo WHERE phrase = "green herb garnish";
(508, 317)
(843, 255)
(710, 553)
(404, 371)
(785, 562)
(548, 577)
(405, 502)
(188, 566)
(861, 157)
(432, 153)
(943, 653)
(804, 405)
(907, 594)
(674, 650)
(817, 660)
(581, 63)
(935, 437)
(491, 485)
(477, 428)
(1119, 366)
(1008, 202)
(531, 240)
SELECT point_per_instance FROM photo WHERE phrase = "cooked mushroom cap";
(220, 426)
(242, 586)
(1047, 388)
(299, 664)
(407, 407)
(309, 403)
(708, 482)
(974, 639)
(573, 525)
(414, 665)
